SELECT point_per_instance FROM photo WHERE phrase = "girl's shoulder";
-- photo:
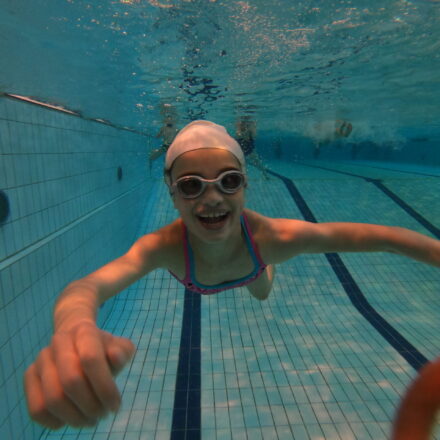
(263, 229)
(257, 222)
(272, 234)
(165, 243)
(272, 229)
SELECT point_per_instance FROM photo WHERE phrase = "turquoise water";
(305, 364)
(290, 64)
(329, 355)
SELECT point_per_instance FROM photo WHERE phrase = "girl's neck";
(217, 252)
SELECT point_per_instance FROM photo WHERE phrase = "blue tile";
(344, 378)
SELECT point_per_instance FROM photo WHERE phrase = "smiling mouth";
(213, 219)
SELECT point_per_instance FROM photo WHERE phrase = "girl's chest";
(211, 273)
(233, 269)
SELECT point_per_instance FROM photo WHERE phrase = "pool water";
(328, 356)
(322, 358)
(289, 64)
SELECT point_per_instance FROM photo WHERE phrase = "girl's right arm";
(81, 299)
(71, 381)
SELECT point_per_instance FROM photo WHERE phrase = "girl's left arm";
(295, 237)
(416, 416)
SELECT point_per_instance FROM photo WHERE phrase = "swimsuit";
(190, 282)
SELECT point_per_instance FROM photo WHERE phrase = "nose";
(212, 195)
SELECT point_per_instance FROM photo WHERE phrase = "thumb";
(118, 351)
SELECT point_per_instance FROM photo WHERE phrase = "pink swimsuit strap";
(189, 281)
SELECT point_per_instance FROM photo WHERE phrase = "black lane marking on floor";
(413, 213)
(394, 197)
(186, 424)
(414, 173)
(357, 298)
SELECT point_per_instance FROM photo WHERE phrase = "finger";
(56, 401)
(35, 401)
(118, 350)
(90, 348)
(73, 381)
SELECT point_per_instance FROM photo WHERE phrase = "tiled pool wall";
(76, 191)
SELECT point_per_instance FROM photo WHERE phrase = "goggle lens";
(190, 187)
(231, 182)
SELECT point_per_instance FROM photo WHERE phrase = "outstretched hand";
(416, 416)
(72, 380)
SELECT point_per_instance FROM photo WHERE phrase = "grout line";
(394, 197)
(33, 247)
(353, 291)
(411, 211)
(414, 173)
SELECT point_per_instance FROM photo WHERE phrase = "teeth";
(219, 214)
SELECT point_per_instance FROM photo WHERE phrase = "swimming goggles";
(191, 187)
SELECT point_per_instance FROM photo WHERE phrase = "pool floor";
(327, 356)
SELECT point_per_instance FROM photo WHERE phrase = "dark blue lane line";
(414, 173)
(369, 166)
(345, 173)
(186, 424)
(412, 212)
(357, 298)
(393, 196)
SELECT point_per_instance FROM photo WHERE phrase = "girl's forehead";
(207, 160)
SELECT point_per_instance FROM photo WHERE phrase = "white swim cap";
(202, 134)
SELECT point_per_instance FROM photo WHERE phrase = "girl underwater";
(215, 244)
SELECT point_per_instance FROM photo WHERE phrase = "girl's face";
(213, 215)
